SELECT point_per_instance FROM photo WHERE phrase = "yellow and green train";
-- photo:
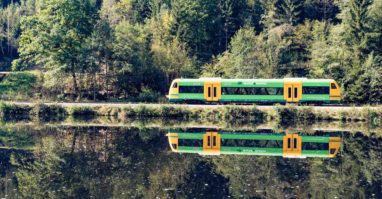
(287, 90)
(213, 142)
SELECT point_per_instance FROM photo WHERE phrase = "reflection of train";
(212, 142)
(255, 90)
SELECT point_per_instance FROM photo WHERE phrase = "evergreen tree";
(288, 11)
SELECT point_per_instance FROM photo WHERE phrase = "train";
(287, 90)
(287, 145)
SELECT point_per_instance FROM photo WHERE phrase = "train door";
(212, 89)
(211, 143)
(292, 145)
(292, 90)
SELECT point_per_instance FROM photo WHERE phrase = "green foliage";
(48, 113)
(79, 111)
(131, 50)
(12, 111)
(18, 83)
(56, 38)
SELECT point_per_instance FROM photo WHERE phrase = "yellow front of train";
(173, 93)
(335, 92)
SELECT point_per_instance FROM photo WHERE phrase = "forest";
(131, 50)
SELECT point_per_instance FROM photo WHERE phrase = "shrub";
(147, 111)
(286, 113)
(13, 111)
(81, 111)
(305, 113)
(18, 83)
(48, 113)
(237, 112)
(148, 95)
(175, 112)
(108, 111)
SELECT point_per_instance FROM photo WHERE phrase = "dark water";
(63, 161)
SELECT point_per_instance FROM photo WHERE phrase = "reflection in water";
(127, 162)
(290, 145)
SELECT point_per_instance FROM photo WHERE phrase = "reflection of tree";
(120, 162)
(103, 165)
(355, 172)
(203, 182)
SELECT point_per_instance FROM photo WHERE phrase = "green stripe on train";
(315, 82)
(191, 96)
(315, 97)
(251, 151)
(190, 149)
(253, 83)
(191, 82)
(315, 153)
(186, 135)
(315, 139)
(229, 135)
(251, 97)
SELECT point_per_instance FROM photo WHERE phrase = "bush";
(175, 112)
(109, 111)
(13, 111)
(237, 112)
(305, 114)
(49, 113)
(148, 95)
(286, 113)
(18, 83)
(81, 111)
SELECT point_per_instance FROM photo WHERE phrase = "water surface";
(102, 160)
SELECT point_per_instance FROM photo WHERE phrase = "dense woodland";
(132, 49)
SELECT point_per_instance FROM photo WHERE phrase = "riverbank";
(252, 113)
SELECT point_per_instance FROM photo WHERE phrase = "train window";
(252, 91)
(191, 89)
(295, 93)
(315, 146)
(289, 92)
(332, 151)
(275, 91)
(194, 143)
(175, 85)
(315, 90)
(251, 143)
(333, 86)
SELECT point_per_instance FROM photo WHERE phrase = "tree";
(356, 23)
(206, 26)
(9, 30)
(133, 60)
(288, 11)
(242, 60)
(278, 12)
(56, 37)
(169, 54)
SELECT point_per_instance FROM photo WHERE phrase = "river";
(102, 158)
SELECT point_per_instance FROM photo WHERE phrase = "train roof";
(265, 82)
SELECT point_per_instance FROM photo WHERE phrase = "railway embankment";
(253, 113)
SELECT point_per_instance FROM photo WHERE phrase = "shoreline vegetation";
(228, 113)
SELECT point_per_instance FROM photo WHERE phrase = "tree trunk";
(75, 85)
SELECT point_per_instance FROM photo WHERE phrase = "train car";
(286, 145)
(287, 90)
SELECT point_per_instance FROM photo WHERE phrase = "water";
(108, 159)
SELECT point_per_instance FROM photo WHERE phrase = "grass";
(229, 113)
(18, 84)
